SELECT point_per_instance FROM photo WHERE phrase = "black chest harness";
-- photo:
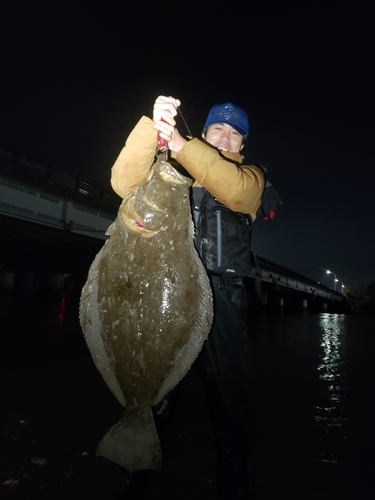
(222, 237)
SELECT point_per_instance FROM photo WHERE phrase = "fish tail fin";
(133, 443)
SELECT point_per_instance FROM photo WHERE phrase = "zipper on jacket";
(218, 237)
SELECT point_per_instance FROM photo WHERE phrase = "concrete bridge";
(54, 222)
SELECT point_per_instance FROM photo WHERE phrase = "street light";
(342, 285)
(330, 272)
(336, 281)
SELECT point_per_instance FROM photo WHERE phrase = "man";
(215, 163)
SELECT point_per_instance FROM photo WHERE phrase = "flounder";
(146, 310)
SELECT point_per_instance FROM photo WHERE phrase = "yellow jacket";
(239, 187)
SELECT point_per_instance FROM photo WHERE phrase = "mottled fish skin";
(146, 310)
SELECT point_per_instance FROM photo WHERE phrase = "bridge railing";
(63, 183)
(285, 277)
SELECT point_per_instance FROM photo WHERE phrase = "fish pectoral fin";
(133, 443)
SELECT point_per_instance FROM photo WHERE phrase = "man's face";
(224, 137)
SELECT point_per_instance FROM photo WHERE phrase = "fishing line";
(185, 123)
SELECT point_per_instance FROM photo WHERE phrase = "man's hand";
(165, 109)
(177, 142)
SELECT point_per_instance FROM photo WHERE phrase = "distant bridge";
(56, 221)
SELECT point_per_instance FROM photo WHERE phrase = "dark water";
(313, 409)
(314, 391)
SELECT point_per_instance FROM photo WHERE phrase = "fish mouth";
(136, 226)
(170, 174)
(132, 220)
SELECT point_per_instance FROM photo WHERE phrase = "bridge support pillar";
(281, 303)
(264, 298)
(324, 305)
(304, 304)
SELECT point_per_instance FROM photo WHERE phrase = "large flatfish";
(146, 310)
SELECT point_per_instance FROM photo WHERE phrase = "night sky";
(76, 76)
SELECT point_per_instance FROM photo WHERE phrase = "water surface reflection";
(332, 373)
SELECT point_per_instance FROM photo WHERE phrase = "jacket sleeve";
(136, 157)
(238, 187)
